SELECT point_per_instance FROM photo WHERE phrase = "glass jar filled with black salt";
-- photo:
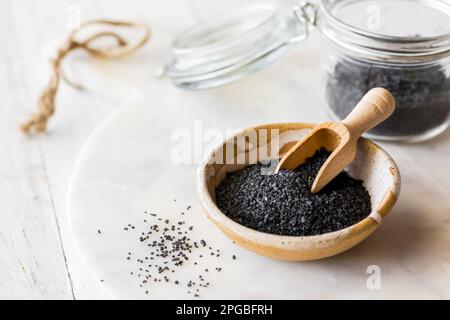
(401, 45)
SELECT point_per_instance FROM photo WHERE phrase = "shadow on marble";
(403, 234)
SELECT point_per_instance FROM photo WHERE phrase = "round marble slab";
(128, 168)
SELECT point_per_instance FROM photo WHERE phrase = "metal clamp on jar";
(402, 45)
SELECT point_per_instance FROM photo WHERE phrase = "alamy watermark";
(73, 17)
(374, 280)
(373, 21)
(195, 145)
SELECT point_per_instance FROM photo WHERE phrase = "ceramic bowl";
(373, 165)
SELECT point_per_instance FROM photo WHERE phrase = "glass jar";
(365, 46)
(225, 49)
(402, 45)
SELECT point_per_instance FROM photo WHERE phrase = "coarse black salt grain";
(422, 94)
(169, 247)
(283, 204)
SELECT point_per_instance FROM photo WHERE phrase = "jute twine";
(46, 102)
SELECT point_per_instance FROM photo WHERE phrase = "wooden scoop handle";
(376, 106)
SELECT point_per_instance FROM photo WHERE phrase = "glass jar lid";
(394, 18)
(409, 31)
(225, 49)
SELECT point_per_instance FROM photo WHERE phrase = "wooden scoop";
(340, 138)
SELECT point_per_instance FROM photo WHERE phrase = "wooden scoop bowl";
(340, 138)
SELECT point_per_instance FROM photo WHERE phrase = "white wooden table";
(38, 258)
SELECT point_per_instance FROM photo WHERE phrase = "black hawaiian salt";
(283, 204)
(422, 94)
(169, 247)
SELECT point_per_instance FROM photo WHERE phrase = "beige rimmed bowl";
(373, 165)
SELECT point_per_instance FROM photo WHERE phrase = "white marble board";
(126, 169)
